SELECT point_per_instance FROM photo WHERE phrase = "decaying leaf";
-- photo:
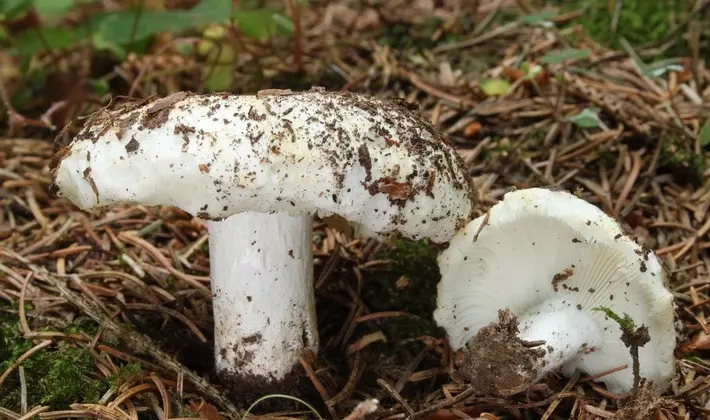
(472, 129)
(365, 341)
(205, 410)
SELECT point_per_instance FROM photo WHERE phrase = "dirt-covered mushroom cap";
(374, 162)
(266, 163)
(551, 258)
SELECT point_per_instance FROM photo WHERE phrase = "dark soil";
(244, 390)
(496, 361)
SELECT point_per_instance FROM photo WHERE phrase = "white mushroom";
(266, 163)
(550, 258)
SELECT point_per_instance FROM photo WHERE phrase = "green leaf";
(704, 135)
(218, 78)
(100, 86)
(495, 87)
(11, 9)
(128, 26)
(588, 118)
(661, 67)
(541, 19)
(33, 41)
(558, 56)
(101, 44)
(580, 70)
(53, 8)
(211, 11)
(262, 23)
(284, 22)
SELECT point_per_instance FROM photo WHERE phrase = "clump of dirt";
(496, 361)
(158, 113)
(244, 389)
(561, 277)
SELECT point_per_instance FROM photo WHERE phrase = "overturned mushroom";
(546, 259)
(266, 164)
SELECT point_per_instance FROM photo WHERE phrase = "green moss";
(85, 326)
(124, 374)
(626, 323)
(639, 22)
(685, 164)
(409, 286)
(56, 376)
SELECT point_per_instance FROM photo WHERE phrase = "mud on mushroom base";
(496, 361)
(245, 389)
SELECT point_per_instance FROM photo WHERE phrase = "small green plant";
(587, 118)
(626, 323)
(633, 337)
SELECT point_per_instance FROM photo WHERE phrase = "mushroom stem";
(263, 300)
(566, 331)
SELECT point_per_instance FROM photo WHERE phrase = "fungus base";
(263, 300)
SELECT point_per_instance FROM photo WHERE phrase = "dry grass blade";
(102, 412)
(394, 394)
(188, 323)
(34, 412)
(163, 394)
(444, 404)
(194, 281)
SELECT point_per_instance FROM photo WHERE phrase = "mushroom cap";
(374, 162)
(540, 246)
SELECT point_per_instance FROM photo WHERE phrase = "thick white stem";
(567, 332)
(263, 300)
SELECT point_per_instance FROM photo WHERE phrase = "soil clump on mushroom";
(496, 361)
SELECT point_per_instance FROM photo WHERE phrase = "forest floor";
(612, 103)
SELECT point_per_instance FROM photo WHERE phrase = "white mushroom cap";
(541, 251)
(374, 162)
